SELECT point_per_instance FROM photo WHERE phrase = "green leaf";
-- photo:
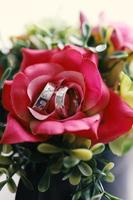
(67, 176)
(75, 178)
(98, 148)
(86, 33)
(55, 168)
(70, 161)
(83, 142)
(108, 167)
(2, 184)
(26, 181)
(86, 30)
(97, 197)
(118, 55)
(5, 75)
(70, 138)
(111, 197)
(86, 194)
(85, 169)
(48, 148)
(103, 32)
(6, 148)
(11, 185)
(122, 145)
(44, 182)
(109, 177)
(76, 196)
(82, 154)
(4, 171)
(126, 89)
(75, 40)
(5, 160)
(101, 47)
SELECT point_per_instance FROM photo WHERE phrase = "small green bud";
(82, 154)
(56, 167)
(108, 167)
(83, 142)
(70, 161)
(70, 138)
(5, 160)
(75, 178)
(76, 196)
(6, 148)
(109, 177)
(48, 148)
(85, 169)
(4, 171)
(12, 185)
(98, 148)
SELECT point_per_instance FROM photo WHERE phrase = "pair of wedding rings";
(62, 101)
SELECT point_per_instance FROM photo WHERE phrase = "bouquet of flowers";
(66, 99)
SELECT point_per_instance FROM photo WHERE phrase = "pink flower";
(61, 91)
(122, 36)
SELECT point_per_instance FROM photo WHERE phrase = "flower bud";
(48, 148)
(82, 154)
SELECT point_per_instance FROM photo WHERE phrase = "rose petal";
(6, 95)
(97, 94)
(36, 86)
(19, 97)
(86, 127)
(69, 58)
(38, 115)
(72, 76)
(83, 124)
(117, 119)
(93, 122)
(47, 127)
(31, 57)
(15, 133)
(102, 101)
(36, 70)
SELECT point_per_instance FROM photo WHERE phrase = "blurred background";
(14, 15)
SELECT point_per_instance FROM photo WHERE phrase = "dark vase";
(62, 190)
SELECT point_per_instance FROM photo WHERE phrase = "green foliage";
(98, 148)
(44, 182)
(12, 185)
(118, 55)
(122, 145)
(85, 169)
(48, 148)
(82, 154)
(70, 161)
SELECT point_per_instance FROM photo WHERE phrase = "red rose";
(61, 91)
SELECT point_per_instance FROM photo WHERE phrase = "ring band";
(63, 107)
(44, 97)
(60, 101)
